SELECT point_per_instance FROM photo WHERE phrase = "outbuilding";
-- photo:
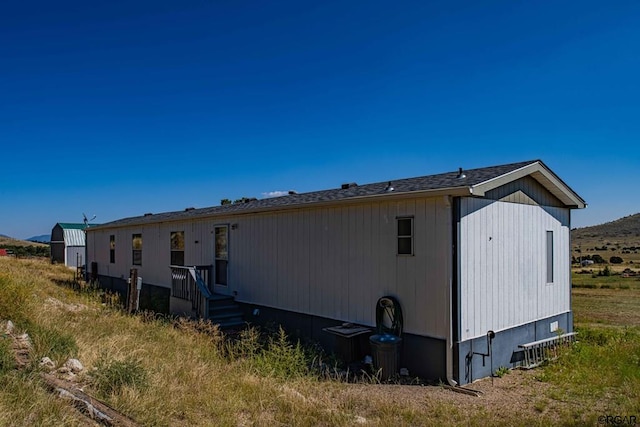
(479, 261)
(68, 244)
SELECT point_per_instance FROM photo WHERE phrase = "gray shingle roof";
(443, 181)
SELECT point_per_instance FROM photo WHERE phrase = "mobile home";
(479, 261)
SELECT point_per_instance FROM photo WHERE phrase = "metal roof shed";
(68, 244)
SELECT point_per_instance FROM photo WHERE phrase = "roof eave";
(450, 191)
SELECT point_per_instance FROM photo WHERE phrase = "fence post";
(132, 295)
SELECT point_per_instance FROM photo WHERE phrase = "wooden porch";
(193, 285)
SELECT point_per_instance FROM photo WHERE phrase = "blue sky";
(119, 108)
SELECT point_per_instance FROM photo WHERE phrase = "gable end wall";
(503, 265)
(526, 191)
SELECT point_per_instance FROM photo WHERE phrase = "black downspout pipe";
(455, 288)
(490, 336)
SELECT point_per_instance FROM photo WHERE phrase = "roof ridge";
(441, 182)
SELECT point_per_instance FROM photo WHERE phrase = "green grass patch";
(111, 376)
(604, 362)
(52, 343)
(7, 360)
(594, 281)
(15, 300)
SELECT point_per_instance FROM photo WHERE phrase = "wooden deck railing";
(192, 284)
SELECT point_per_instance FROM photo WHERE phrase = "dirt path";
(518, 395)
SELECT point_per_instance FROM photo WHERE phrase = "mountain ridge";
(43, 238)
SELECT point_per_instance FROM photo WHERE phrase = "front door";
(221, 260)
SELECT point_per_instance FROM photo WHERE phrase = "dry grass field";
(8, 241)
(170, 373)
(612, 300)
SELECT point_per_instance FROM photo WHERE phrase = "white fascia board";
(540, 173)
(450, 191)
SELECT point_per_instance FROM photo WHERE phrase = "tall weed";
(282, 359)
(272, 355)
(246, 345)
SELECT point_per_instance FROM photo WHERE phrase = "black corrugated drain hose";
(388, 311)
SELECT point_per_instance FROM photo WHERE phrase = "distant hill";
(43, 238)
(9, 241)
(619, 238)
(627, 228)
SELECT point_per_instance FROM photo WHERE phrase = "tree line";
(27, 251)
(597, 259)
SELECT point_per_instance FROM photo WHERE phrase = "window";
(549, 256)
(112, 249)
(221, 255)
(405, 236)
(177, 248)
(136, 244)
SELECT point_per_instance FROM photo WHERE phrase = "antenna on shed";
(86, 220)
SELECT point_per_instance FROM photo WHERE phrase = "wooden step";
(224, 312)
(226, 317)
(234, 324)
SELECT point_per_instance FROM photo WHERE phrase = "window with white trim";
(405, 235)
(136, 249)
(177, 248)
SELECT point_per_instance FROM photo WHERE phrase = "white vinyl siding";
(333, 262)
(74, 256)
(503, 265)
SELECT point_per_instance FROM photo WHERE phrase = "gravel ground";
(515, 398)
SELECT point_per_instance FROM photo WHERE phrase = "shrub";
(616, 260)
(281, 359)
(28, 251)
